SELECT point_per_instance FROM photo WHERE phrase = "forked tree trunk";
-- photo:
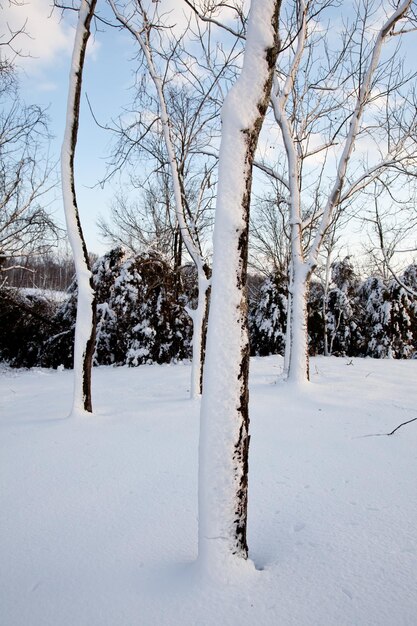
(86, 307)
(224, 432)
(303, 267)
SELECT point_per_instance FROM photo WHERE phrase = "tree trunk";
(299, 370)
(199, 318)
(224, 432)
(86, 306)
(287, 351)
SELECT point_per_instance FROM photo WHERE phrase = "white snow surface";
(99, 513)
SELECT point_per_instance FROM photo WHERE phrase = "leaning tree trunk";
(224, 431)
(86, 309)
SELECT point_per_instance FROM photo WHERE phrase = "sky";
(44, 68)
(44, 63)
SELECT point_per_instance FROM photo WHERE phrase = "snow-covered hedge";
(140, 314)
(27, 320)
(354, 317)
(142, 319)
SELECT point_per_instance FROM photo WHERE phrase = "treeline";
(142, 318)
(45, 271)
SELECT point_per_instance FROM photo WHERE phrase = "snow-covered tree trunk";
(298, 370)
(199, 318)
(287, 351)
(224, 436)
(86, 310)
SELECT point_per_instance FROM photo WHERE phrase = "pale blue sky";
(44, 81)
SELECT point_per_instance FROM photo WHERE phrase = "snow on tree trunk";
(86, 310)
(298, 370)
(198, 317)
(287, 352)
(224, 437)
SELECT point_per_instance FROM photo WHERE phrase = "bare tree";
(269, 249)
(26, 173)
(86, 306)
(224, 432)
(325, 104)
(145, 222)
(181, 115)
(394, 225)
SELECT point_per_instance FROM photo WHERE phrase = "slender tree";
(142, 27)
(224, 432)
(302, 114)
(86, 308)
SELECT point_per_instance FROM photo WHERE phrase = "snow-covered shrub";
(26, 320)
(267, 318)
(58, 349)
(315, 324)
(343, 311)
(402, 327)
(390, 319)
(105, 273)
(377, 309)
(150, 321)
(140, 314)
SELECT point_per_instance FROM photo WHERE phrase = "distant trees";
(50, 271)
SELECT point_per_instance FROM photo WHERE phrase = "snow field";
(98, 518)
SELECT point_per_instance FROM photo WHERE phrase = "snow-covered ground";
(98, 515)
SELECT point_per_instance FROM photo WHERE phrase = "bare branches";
(362, 100)
(208, 16)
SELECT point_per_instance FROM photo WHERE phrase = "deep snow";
(98, 514)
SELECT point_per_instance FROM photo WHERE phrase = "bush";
(26, 321)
